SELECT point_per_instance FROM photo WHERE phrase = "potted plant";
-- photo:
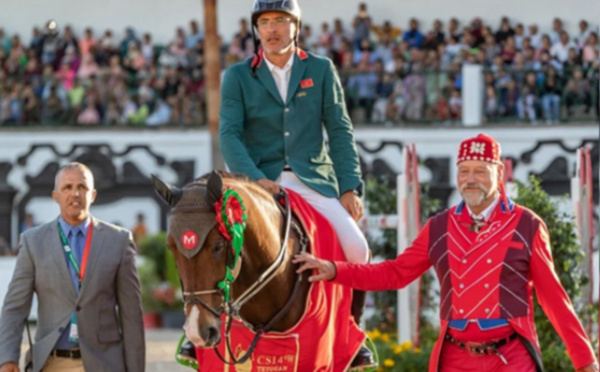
(165, 293)
(148, 282)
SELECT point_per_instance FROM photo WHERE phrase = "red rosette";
(222, 226)
(235, 213)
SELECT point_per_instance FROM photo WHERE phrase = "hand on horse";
(591, 368)
(325, 269)
(271, 186)
(352, 203)
(9, 367)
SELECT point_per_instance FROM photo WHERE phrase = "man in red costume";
(489, 254)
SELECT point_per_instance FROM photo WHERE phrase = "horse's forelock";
(253, 195)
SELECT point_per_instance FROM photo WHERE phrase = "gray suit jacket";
(108, 308)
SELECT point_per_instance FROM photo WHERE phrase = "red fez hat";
(482, 148)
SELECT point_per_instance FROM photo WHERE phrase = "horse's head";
(201, 251)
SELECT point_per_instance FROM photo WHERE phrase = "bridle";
(231, 308)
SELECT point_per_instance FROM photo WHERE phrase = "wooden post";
(212, 78)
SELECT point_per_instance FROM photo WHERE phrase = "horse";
(233, 244)
(193, 209)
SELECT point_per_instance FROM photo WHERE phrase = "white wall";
(161, 17)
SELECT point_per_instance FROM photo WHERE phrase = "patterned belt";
(71, 354)
(481, 348)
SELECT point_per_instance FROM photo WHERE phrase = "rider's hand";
(271, 186)
(9, 367)
(352, 203)
(326, 269)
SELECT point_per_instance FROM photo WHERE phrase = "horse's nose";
(211, 335)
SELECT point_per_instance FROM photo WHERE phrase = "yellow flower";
(417, 350)
(389, 363)
(385, 338)
(407, 345)
(379, 369)
(374, 334)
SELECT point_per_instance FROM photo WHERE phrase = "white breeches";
(354, 244)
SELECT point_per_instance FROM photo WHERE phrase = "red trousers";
(454, 359)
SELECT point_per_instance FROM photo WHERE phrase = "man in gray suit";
(83, 272)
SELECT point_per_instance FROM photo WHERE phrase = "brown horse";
(279, 304)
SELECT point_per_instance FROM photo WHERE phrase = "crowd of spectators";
(390, 75)
(60, 78)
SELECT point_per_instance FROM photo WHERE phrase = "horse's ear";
(214, 188)
(170, 194)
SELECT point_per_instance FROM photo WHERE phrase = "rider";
(274, 108)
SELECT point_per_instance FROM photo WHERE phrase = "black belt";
(480, 348)
(71, 354)
(287, 168)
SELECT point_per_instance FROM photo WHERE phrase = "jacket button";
(487, 310)
(486, 286)
(461, 285)
(464, 260)
(286, 110)
(489, 260)
(287, 134)
(461, 311)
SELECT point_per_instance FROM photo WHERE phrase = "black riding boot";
(364, 358)
(188, 352)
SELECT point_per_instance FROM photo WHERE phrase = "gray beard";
(473, 199)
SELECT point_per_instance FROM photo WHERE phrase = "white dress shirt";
(486, 213)
(281, 75)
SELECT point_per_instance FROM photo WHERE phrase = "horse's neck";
(267, 303)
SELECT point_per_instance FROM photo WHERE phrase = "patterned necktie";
(477, 224)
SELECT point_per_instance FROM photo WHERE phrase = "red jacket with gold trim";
(490, 274)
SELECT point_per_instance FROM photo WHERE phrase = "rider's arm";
(231, 127)
(341, 135)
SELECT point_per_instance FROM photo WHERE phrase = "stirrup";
(185, 359)
(369, 344)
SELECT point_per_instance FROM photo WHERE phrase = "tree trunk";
(212, 78)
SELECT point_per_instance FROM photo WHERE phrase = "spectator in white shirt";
(519, 35)
(557, 28)
(584, 33)
(535, 36)
(560, 50)
(194, 36)
(454, 48)
(147, 48)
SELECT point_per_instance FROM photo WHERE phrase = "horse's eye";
(219, 246)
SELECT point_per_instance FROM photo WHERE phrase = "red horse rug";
(326, 338)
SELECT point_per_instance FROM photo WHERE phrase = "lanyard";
(69, 253)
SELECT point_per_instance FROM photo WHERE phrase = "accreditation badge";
(73, 332)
